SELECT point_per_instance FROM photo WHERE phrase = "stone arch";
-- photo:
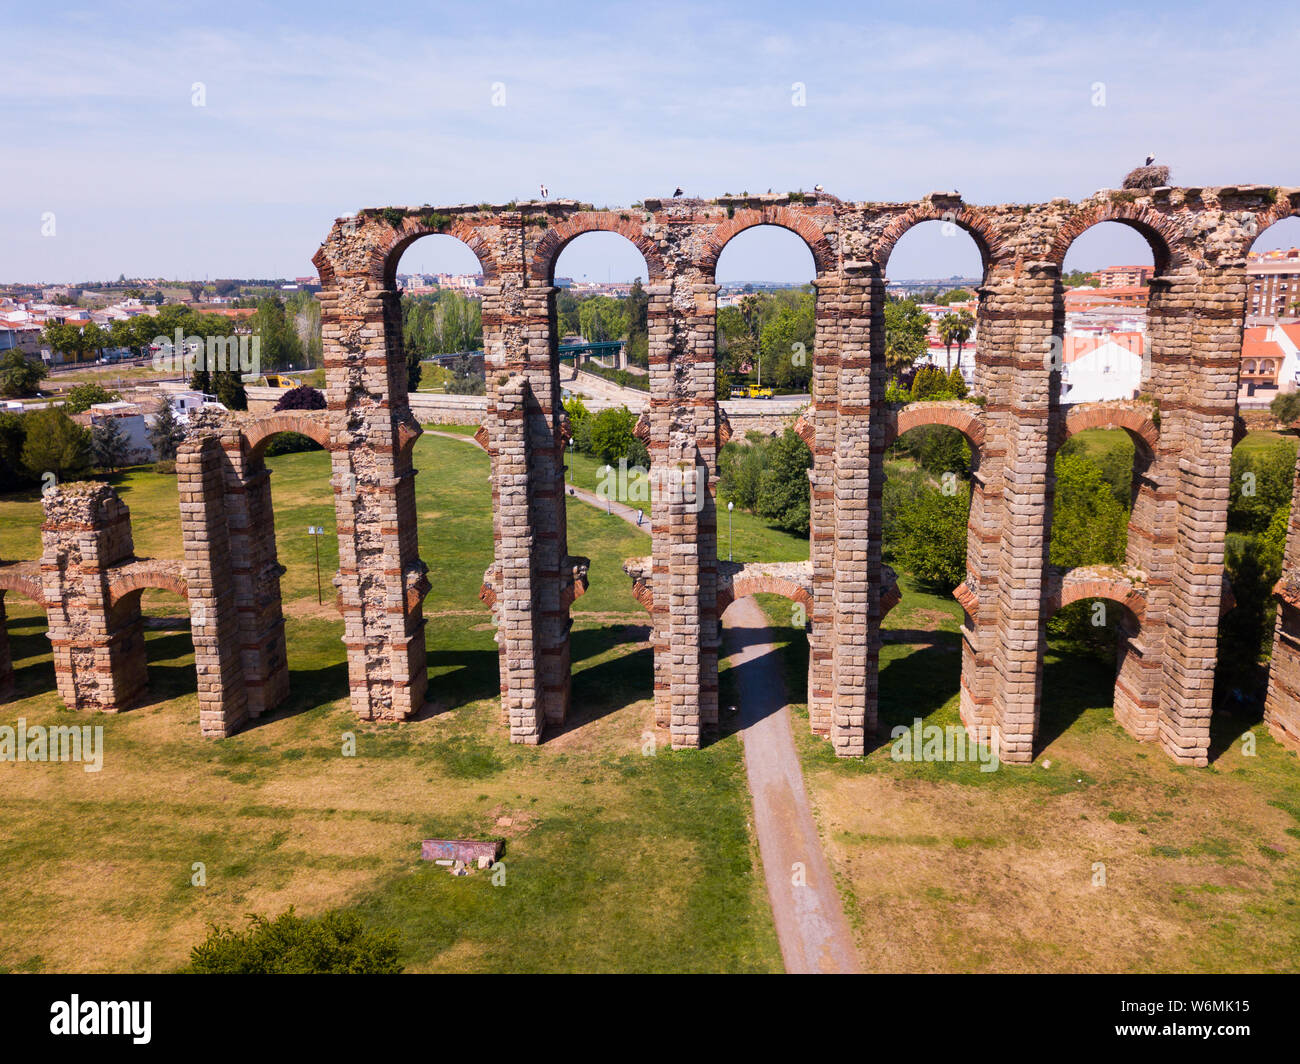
(1135, 419)
(966, 418)
(1284, 206)
(308, 423)
(746, 584)
(780, 216)
(22, 582)
(1160, 232)
(977, 225)
(140, 576)
(412, 229)
(1095, 582)
(541, 267)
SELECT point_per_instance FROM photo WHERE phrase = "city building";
(1096, 368)
(1125, 276)
(1273, 285)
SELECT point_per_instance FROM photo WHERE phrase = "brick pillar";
(99, 654)
(517, 616)
(1022, 313)
(821, 546)
(683, 454)
(1282, 706)
(6, 659)
(520, 342)
(978, 594)
(1209, 306)
(255, 570)
(858, 305)
(381, 579)
(214, 618)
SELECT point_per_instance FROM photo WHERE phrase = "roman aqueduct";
(1171, 589)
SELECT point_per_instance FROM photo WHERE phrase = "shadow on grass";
(611, 685)
(28, 640)
(918, 684)
(1076, 682)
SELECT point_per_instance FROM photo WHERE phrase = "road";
(810, 924)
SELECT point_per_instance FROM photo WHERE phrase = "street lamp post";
(730, 506)
(316, 531)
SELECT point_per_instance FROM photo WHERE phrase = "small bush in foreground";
(333, 944)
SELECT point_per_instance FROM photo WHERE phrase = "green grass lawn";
(615, 859)
(943, 867)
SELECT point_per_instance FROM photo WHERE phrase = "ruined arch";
(627, 224)
(780, 216)
(966, 418)
(310, 423)
(1161, 233)
(23, 579)
(390, 252)
(973, 221)
(142, 575)
(1137, 419)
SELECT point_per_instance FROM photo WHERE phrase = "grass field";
(617, 860)
(614, 860)
(943, 867)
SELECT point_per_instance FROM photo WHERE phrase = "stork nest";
(1147, 177)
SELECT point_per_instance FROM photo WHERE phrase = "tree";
(83, 396)
(783, 489)
(948, 326)
(930, 536)
(464, 380)
(19, 375)
(195, 289)
(612, 435)
(304, 397)
(166, 433)
(1286, 407)
(107, 444)
(55, 444)
(279, 343)
(13, 433)
(333, 944)
(1089, 527)
(907, 329)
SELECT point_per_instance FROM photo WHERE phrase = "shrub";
(611, 435)
(333, 944)
(304, 397)
(19, 375)
(167, 467)
(290, 443)
(83, 396)
(55, 444)
(930, 536)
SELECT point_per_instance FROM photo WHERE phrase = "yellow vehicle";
(750, 391)
(279, 380)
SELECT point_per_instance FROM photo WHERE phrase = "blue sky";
(314, 110)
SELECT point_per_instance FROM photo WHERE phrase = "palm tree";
(949, 326)
(962, 333)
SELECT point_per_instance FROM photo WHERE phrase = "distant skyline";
(306, 114)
